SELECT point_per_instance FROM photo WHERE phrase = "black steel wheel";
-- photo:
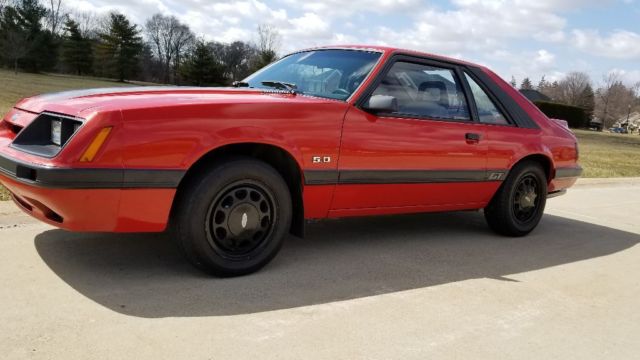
(526, 199)
(518, 206)
(240, 219)
(232, 220)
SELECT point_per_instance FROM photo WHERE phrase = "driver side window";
(425, 91)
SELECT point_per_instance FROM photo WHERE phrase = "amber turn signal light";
(95, 145)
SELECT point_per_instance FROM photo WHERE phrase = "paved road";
(410, 287)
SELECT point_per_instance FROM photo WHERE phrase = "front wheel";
(518, 206)
(232, 220)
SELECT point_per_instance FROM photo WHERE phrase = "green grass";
(606, 155)
(15, 87)
(601, 154)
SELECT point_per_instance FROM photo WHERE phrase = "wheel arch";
(543, 159)
(279, 158)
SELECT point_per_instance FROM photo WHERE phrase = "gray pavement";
(401, 287)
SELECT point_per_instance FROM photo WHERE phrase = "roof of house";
(534, 95)
(634, 118)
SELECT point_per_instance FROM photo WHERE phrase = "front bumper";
(92, 200)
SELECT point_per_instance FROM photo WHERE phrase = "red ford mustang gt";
(326, 132)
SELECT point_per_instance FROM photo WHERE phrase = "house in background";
(595, 124)
(630, 123)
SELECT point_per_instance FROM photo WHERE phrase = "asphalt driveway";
(399, 287)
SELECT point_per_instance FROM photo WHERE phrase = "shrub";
(576, 117)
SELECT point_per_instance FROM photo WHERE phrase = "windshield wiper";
(240, 84)
(281, 85)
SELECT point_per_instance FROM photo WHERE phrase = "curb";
(632, 181)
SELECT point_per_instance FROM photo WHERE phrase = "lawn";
(15, 87)
(601, 154)
(606, 155)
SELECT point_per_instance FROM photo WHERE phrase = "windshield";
(333, 74)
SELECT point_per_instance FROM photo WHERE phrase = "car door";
(426, 153)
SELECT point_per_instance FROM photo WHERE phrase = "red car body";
(345, 160)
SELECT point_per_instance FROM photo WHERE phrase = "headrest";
(433, 91)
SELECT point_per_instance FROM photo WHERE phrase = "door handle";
(472, 137)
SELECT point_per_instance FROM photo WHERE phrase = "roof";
(634, 118)
(390, 49)
(534, 95)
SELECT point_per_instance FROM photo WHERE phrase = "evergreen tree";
(264, 58)
(513, 82)
(77, 52)
(120, 47)
(526, 84)
(543, 84)
(201, 67)
(22, 38)
(588, 100)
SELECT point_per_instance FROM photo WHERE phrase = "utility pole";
(628, 113)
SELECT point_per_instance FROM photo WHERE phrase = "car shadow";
(143, 275)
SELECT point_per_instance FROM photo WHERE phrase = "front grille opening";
(46, 211)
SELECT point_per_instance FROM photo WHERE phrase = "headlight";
(56, 132)
(47, 134)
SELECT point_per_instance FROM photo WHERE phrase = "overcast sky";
(514, 37)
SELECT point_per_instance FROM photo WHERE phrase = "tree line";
(38, 36)
(611, 101)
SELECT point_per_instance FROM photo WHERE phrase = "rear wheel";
(519, 204)
(233, 219)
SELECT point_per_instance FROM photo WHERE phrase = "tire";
(513, 211)
(232, 220)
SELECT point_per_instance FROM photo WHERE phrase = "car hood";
(79, 102)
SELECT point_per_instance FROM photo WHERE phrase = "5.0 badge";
(321, 159)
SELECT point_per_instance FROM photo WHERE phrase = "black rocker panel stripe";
(321, 177)
(332, 177)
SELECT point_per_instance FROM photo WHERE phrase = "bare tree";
(56, 16)
(606, 93)
(636, 89)
(88, 23)
(572, 88)
(183, 39)
(236, 58)
(268, 38)
(169, 39)
(267, 46)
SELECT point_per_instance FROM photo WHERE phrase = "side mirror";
(381, 104)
